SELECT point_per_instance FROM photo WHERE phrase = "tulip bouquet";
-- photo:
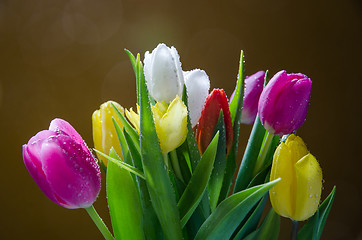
(171, 165)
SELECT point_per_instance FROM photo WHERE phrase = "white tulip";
(163, 73)
(197, 87)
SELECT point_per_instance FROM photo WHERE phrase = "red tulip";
(216, 101)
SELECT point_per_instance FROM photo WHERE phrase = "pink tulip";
(62, 165)
(253, 88)
(284, 102)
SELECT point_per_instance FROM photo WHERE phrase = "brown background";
(64, 58)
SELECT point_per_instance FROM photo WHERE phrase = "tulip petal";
(172, 127)
(134, 118)
(293, 112)
(109, 135)
(268, 97)
(72, 173)
(281, 194)
(253, 89)
(34, 167)
(61, 126)
(309, 185)
(197, 86)
(216, 101)
(163, 73)
(97, 134)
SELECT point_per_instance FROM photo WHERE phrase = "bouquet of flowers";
(171, 165)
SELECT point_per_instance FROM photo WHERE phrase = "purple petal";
(61, 126)
(292, 106)
(34, 167)
(253, 88)
(72, 173)
(268, 98)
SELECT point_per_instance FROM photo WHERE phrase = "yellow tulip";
(170, 122)
(298, 193)
(104, 132)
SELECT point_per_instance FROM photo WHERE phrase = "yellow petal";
(162, 106)
(97, 130)
(157, 114)
(297, 146)
(104, 133)
(172, 127)
(134, 118)
(281, 194)
(309, 185)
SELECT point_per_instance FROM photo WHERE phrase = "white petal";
(197, 86)
(162, 73)
(147, 70)
(180, 75)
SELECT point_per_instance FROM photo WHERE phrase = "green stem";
(264, 150)
(99, 222)
(294, 233)
(176, 165)
(166, 160)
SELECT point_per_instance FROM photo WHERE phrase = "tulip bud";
(62, 165)
(104, 133)
(170, 123)
(284, 102)
(216, 101)
(163, 73)
(253, 88)
(197, 85)
(298, 193)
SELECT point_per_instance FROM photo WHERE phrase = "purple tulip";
(253, 88)
(62, 165)
(284, 102)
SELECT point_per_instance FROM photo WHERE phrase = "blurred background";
(65, 58)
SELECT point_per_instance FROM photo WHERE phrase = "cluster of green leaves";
(147, 200)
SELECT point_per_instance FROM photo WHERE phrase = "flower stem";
(264, 150)
(176, 165)
(99, 222)
(294, 233)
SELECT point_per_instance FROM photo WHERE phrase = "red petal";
(216, 101)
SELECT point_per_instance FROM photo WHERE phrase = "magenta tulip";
(62, 165)
(253, 88)
(284, 102)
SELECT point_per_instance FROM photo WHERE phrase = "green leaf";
(236, 103)
(122, 141)
(251, 224)
(270, 154)
(198, 182)
(151, 225)
(135, 66)
(269, 228)
(246, 174)
(133, 60)
(227, 216)
(123, 165)
(132, 132)
(314, 227)
(217, 175)
(193, 149)
(158, 181)
(123, 202)
(134, 152)
(251, 153)
(235, 107)
(184, 162)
